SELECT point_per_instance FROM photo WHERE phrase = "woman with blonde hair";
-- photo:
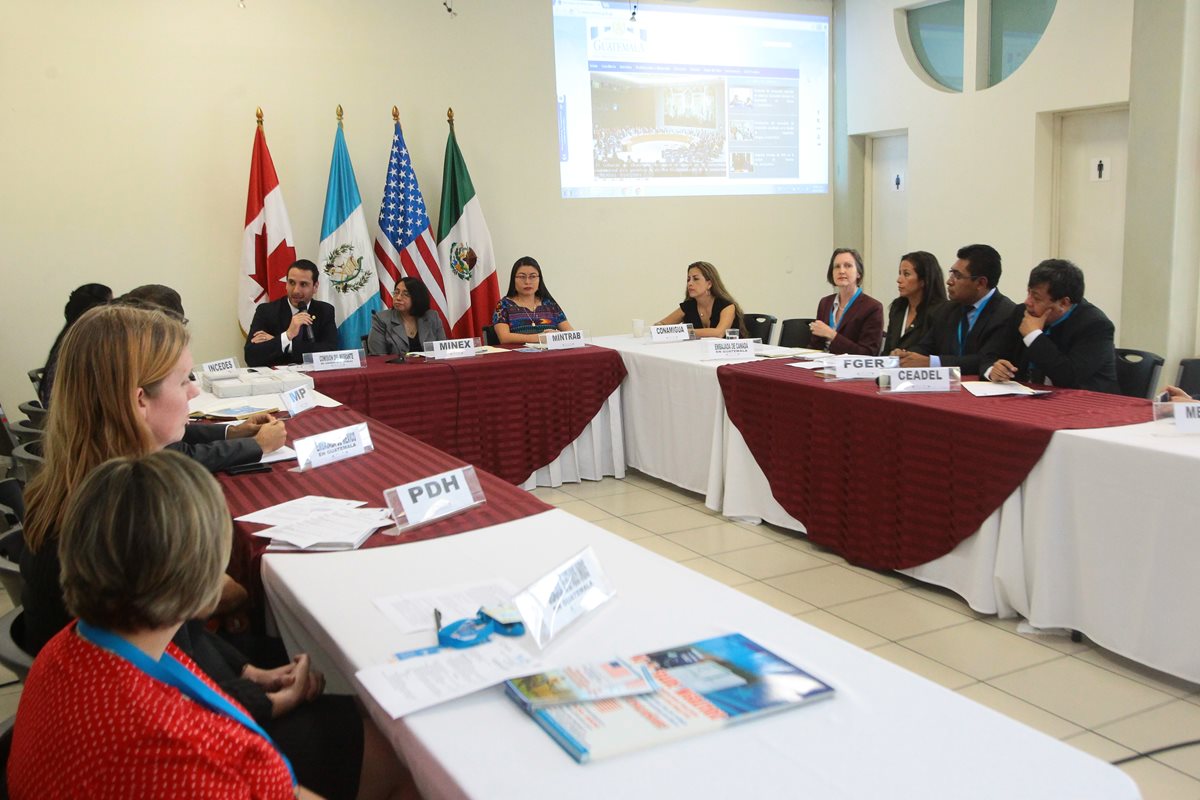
(707, 305)
(124, 376)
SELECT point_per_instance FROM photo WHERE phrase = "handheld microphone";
(306, 330)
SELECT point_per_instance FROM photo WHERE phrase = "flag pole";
(339, 115)
(450, 118)
(395, 115)
(258, 115)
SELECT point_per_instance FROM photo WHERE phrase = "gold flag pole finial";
(450, 117)
(339, 115)
(395, 115)
(258, 115)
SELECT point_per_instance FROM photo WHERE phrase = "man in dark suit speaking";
(284, 330)
(1057, 337)
(972, 323)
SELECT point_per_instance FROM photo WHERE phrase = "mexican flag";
(465, 250)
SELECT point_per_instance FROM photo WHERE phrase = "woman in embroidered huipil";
(528, 308)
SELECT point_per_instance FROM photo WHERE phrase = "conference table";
(886, 733)
(396, 459)
(533, 418)
(1092, 539)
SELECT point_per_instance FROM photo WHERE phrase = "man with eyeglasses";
(1057, 337)
(972, 323)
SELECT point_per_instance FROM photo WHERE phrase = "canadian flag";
(268, 248)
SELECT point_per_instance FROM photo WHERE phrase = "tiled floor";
(1078, 692)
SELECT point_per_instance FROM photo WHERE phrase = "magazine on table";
(703, 686)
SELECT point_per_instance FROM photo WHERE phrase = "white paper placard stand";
(336, 359)
(331, 446)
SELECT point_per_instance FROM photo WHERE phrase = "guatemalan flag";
(347, 267)
(405, 247)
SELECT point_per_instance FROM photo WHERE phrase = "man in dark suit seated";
(972, 323)
(284, 330)
(1057, 337)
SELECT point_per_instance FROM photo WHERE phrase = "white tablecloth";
(887, 733)
(598, 452)
(1099, 537)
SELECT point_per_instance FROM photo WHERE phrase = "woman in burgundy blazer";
(856, 326)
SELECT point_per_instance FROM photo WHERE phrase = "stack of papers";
(315, 523)
(775, 351)
(989, 389)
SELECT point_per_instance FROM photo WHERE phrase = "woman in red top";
(111, 708)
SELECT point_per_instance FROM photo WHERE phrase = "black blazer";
(1078, 353)
(274, 318)
(861, 331)
(988, 334)
(208, 445)
(899, 338)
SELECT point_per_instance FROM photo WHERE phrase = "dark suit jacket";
(1077, 353)
(988, 334)
(861, 331)
(208, 445)
(388, 336)
(274, 318)
(897, 336)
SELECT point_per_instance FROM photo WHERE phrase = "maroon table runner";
(892, 481)
(396, 459)
(508, 413)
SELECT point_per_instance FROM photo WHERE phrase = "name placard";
(568, 592)
(1187, 416)
(919, 379)
(335, 445)
(728, 349)
(435, 497)
(862, 366)
(671, 333)
(225, 368)
(563, 340)
(336, 359)
(450, 348)
(298, 399)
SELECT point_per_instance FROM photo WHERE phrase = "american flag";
(405, 246)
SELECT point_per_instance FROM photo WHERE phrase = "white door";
(1091, 159)
(888, 212)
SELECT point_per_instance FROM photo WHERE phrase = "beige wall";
(971, 156)
(126, 136)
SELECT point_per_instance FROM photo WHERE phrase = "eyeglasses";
(955, 275)
(402, 294)
(532, 276)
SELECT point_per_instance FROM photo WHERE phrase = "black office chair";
(13, 499)
(759, 326)
(489, 335)
(35, 413)
(795, 332)
(35, 377)
(12, 655)
(1137, 371)
(28, 459)
(1189, 376)
(12, 544)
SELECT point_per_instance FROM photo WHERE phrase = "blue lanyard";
(965, 327)
(170, 671)
(845, 310)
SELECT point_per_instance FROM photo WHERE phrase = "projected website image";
(679, 101)
(656, 127)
